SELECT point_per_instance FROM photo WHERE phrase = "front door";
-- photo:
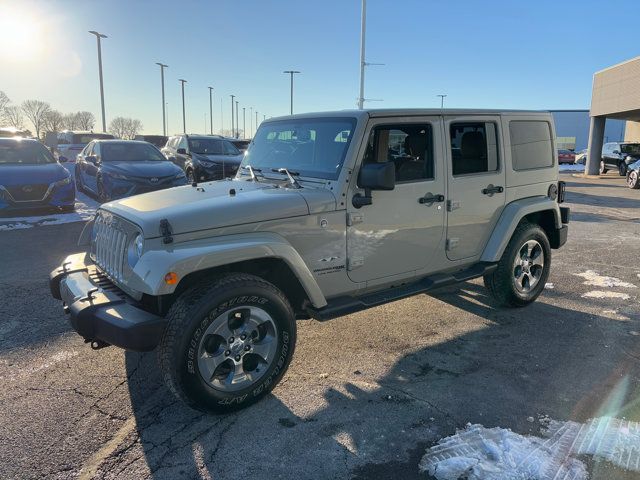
(476, 184)
(399, 233)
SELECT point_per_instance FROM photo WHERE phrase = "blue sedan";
(31, 178)
(112, 169)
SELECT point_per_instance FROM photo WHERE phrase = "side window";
(96, 149)
(182, 143)
(474, 148)
(530, 144)
(230, 149)
(409, 147)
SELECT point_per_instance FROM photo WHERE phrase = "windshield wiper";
(294, 183)
(252, 172)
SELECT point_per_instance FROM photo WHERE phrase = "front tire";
(228, 342)
(103, 196)
(633, 181)
(622, 169)
(523, 269)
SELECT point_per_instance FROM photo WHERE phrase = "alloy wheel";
(237, 348)
(528, 266)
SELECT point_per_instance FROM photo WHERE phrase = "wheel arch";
(540, 211)
(266, 255)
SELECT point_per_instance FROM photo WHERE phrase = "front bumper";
(57, 196)
(216, 171)
(100, 311)
(125, 188)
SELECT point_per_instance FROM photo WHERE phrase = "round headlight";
(138, 245)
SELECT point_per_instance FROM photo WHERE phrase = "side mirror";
(92, 158)
(616, 152)
(374, 176)
(181, 151)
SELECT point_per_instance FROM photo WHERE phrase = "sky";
(535, 54)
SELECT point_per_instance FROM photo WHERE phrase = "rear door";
(476, 183)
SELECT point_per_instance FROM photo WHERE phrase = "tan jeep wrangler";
(331, 213)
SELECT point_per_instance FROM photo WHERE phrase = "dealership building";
(616, 96)
(572, 129)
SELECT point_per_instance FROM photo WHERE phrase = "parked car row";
(35, 177)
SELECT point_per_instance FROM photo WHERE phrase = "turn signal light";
(171, 278)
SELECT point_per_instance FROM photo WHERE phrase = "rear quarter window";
(530, 144)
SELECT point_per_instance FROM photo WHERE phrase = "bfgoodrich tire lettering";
(189, 325)
(528, 247)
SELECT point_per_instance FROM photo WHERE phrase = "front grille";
(110, 245)
(28, 193)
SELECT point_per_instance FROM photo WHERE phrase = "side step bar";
(340, 306)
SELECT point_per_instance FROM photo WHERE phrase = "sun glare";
(20, 36)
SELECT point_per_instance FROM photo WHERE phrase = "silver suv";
(329, 214)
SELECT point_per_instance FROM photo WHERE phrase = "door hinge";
(452, 243)
(354, 218)
(354, 262)
(453, 205)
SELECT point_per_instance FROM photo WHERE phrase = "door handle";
(430, 198)
(491, 189)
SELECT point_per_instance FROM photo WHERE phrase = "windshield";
(313, 147)
(29, 153)
(129, 152)
(212, 146)
(630, 148)
(84, 138)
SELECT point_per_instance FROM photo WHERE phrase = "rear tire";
(633, 180)
(228, 342)
(523, 269)
(603, 168)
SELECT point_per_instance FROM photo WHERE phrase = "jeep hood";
(219, 204)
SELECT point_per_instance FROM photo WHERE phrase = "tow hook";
(98, 344)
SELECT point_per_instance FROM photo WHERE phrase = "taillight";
(562, 187)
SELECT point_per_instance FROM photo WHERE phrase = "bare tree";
(53, 121)
(135, 127)
(70, 121)
(118, 127)
(36, 111)
(126, 128)
(13, 116)
(85, 120)
(4, 103)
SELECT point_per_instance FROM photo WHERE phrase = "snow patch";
(594, 279)
(85, 209)
(601, 294)
(549, 286)
(477, 452)
(571, 167)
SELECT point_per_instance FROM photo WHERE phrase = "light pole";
(251, 121)
(292, 73)
(98, 37)
(232, 121)
(441, 100)
(237, 121)
(363, 28)
(244, 123)
(164, 117)
(167, 104)
(211, 109)
(184, 118)
(256, 123)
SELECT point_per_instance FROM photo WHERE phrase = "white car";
(71, 143)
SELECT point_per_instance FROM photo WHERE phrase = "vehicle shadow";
(507, 368)
(604, 201)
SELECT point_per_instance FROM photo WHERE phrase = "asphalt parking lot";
(366, 394)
